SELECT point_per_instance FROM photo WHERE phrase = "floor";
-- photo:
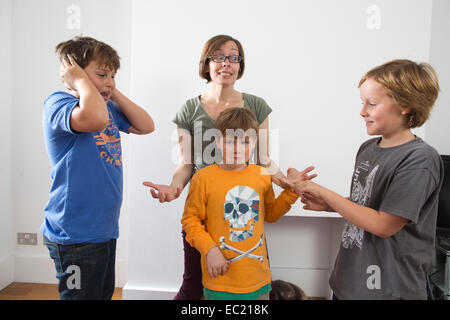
(38, 291)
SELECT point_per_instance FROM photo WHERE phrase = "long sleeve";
(277, 207)
(194, 215)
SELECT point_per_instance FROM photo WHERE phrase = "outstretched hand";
(163, 192)
(294, 177)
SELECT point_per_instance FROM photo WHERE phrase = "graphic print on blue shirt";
(108, 143)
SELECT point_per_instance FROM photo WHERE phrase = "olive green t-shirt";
(193, 118)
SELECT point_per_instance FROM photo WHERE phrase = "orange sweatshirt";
(228, 209)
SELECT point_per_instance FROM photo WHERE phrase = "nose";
(363, 112)
(110, 82)
(225, 63)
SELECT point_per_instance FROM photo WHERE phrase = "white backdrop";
(305, 58)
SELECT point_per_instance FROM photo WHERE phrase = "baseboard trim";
(131, 292)
(41, 269)
(6, 271)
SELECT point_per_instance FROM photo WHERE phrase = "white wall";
(6, 224)
(438, 129)
(305, 58)
(163, 76)
(37, 27)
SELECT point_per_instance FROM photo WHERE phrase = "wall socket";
(27, 238)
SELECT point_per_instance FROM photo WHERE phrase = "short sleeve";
(259, 107)
(121, 120)
(183, 117)
(58, 108)
(408, 193)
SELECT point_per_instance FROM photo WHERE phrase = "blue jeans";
(85, 271)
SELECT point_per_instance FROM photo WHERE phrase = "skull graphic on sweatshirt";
(241, 209)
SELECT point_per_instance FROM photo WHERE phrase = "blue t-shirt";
(86, 192)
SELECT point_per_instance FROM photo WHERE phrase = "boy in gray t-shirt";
(389, 234)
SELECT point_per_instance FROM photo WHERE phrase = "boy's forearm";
(281, 205)
(139, 119)
(92, 105)
(364, 217)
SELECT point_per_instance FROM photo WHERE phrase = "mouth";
(225, 74)
(106, 95)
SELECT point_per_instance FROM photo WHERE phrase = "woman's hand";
(163, 192)
(216, 262)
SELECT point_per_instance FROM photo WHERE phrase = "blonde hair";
(408, 84)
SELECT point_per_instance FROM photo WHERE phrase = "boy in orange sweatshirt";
(225, 211)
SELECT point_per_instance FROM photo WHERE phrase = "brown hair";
(212, 45)
(86, 49)
(408, 84)
(236, 118)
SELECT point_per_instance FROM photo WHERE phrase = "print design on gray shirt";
(360, 194)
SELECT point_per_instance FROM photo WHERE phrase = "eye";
(101, 75)
(235, 58)
(218, 58)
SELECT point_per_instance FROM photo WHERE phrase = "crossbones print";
(224, 246)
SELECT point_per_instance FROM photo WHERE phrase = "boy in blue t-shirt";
(81, 131)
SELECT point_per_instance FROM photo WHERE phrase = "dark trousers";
(192, 287)
(85, 271)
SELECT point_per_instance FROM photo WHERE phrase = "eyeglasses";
(221, 58)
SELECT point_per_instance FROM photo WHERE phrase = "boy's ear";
(406, 111)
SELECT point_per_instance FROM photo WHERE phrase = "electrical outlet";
(27, 238)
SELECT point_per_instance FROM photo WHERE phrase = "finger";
(71, 60)
(210, 272)
(154, 194)
(309, 169)
(223, 269)
(151, 185)
(63, 64)
(179, 190)
(214, 272)
(307, 177)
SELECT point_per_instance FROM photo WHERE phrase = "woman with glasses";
(222, 63)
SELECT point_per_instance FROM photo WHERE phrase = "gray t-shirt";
(193, 118)
(405, 181)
